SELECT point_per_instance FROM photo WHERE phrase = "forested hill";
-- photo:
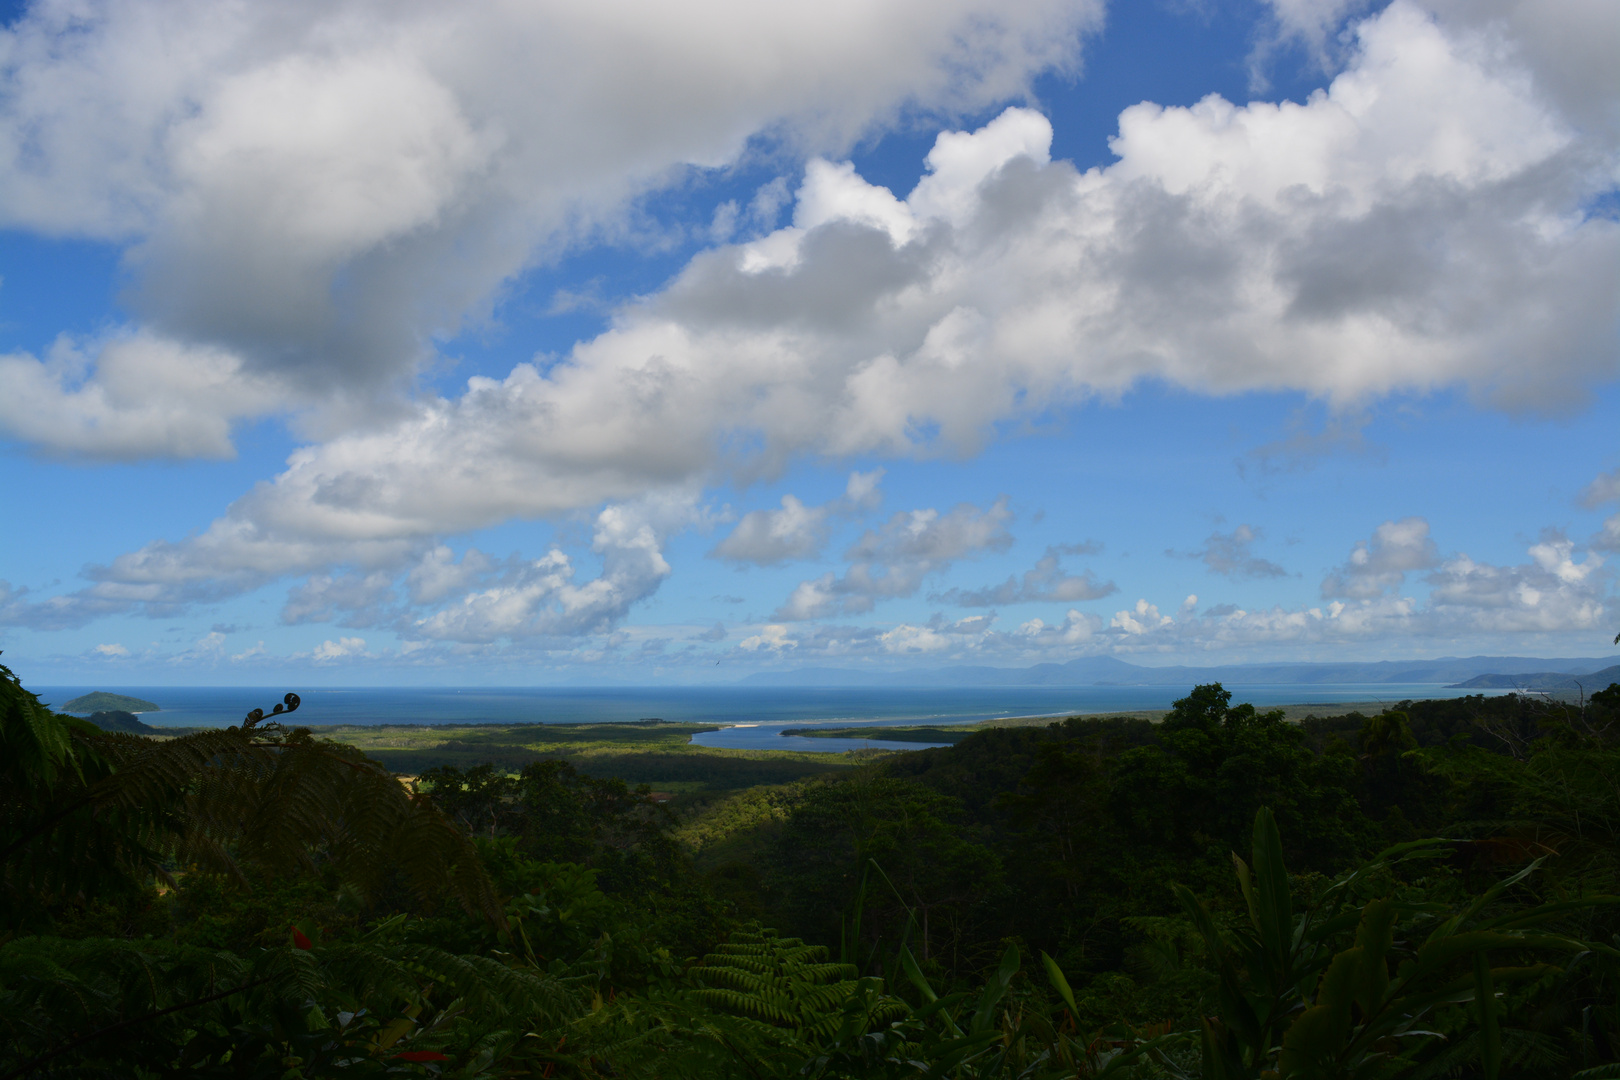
(1108, 671)
(1060, 836)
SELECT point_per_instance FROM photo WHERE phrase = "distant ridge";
(1545, 680)
(1110, 671)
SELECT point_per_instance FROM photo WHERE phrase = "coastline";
(1295, 712)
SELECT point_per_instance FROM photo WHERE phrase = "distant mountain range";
(1108, 671)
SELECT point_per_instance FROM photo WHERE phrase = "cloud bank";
(1407, 592)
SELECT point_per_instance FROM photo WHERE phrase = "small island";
(101, 701)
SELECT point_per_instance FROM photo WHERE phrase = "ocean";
(763, 711)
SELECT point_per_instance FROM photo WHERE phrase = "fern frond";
(746, 981)
(128, 1001)
(1611, 1071)
(776, 980)
(829, 972)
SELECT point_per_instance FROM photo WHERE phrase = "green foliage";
(668, 1034)
(83, 811)
(1346, 987)
(1563, 799)
(101, 1006)
(933, 868)
(555, 909)
(1214, 765)
(552, 815)
(716, 770)
(1313, 994)
(975, 1035)
(739, 814)
(556, 813)
(775, 980)
(36, 746)
(1077, 827)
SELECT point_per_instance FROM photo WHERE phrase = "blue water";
(769, 709)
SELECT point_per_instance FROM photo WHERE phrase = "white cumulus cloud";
(1232, 555)
(542, 598)
(1045, 583)
(1142, 619)
(769, 537)
(1605, 489)
(342, 649)
(355, 598)
(796, 531)
(771, 638)
(134, 394)
(1379, 565)
(314, 192)
(893, 561)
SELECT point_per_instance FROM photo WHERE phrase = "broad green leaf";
(996, 989)
(1055, 976)
(1374, 937)
(1490, 1035)
(1271, 902)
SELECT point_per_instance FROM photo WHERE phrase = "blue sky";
(358, 343)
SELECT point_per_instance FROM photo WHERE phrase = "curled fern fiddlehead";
(289, 703)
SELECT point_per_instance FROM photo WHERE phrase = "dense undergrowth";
(1421, 893)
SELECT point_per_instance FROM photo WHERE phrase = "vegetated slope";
(1067, 837)
(881, 891)
(101, 701)
(1056, 835)
(1545, 680)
